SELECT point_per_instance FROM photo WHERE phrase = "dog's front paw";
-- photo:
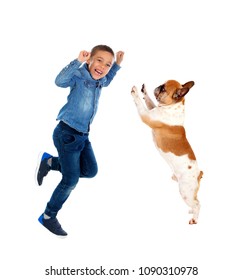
(143, 89)
(134, 91)
(145, 93)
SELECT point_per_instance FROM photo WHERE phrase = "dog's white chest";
(170, 115)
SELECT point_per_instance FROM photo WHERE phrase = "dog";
(169, 135)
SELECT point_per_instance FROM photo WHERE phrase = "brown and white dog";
(166, 121)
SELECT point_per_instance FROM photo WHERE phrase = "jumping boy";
(85, 76)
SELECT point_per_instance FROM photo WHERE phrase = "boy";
(76, 158)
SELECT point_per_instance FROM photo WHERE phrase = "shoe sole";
(37, 167)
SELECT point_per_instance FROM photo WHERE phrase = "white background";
(131, 214)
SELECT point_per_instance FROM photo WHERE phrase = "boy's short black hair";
(101, 48)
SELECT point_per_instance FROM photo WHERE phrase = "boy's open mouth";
(98, 72)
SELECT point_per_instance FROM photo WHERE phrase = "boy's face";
(100, 64)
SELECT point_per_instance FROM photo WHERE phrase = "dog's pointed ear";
(181, 92)
(188, 84)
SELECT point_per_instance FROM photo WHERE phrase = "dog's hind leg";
(188, 190)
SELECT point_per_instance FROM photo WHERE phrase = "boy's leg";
(70, 175)
(76, 159)
(69, 148)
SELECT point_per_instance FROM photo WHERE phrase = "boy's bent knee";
(93, 174)
(90, 174)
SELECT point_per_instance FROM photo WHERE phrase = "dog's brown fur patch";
(172, 139)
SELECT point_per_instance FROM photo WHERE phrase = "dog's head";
(172, 92)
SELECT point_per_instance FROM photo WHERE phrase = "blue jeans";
(75, 160)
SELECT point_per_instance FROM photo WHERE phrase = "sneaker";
(42, 168)
(52, 225)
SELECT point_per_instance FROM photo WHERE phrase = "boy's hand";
(119, 57)
(83, 56)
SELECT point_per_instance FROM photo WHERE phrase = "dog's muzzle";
(158, 90)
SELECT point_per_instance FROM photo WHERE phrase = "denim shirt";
(82, 101)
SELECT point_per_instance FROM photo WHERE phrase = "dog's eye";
(162, 88)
